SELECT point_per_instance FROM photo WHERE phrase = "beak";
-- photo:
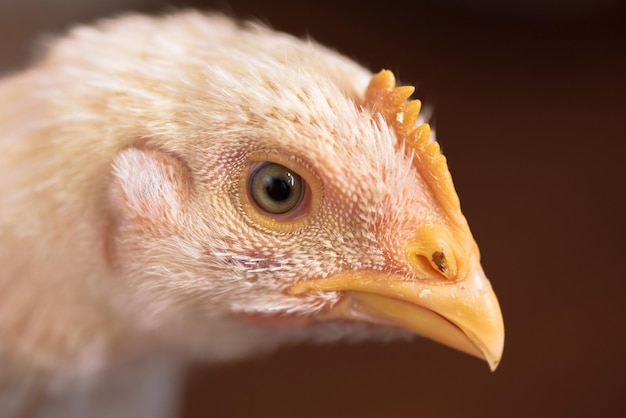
(463, 314)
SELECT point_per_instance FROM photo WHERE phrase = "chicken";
(187, 188)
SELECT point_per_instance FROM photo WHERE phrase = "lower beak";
(463, 314)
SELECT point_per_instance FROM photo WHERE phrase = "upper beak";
(463, 314)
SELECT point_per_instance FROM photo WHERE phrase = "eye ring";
(275, 189)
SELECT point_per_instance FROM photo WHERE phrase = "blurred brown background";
(530, 107)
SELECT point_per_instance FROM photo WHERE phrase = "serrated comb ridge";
(382, 96)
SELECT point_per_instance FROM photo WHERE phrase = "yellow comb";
(384, 97)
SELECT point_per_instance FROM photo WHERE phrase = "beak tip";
(486, 330)
(494, 360)
(492, 353)
(493, 357)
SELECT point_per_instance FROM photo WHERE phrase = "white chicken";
(185, 188)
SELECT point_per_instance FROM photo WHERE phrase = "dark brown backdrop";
(530, 103)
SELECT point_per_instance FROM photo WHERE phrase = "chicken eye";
(275, 188)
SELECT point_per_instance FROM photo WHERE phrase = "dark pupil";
(278, 188)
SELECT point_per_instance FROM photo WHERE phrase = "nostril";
(434, 253)
(439, 260)
(421, 264)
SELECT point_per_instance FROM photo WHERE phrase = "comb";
(383, 97)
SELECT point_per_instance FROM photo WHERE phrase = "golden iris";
(275, 188)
